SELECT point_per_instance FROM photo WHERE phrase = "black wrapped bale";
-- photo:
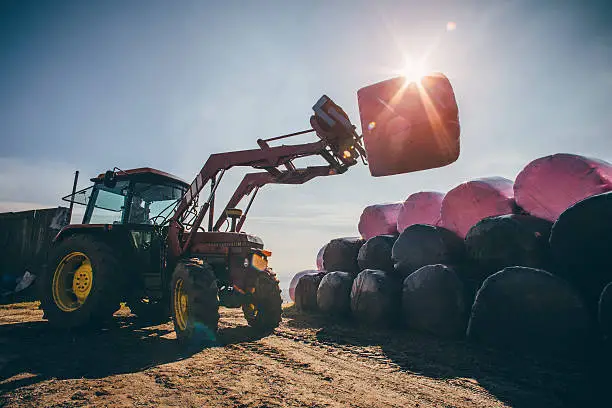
(508, 240)
(340, 254)
(334, 293)
(306, 292)
(376, 298)
(529, 309)
(420, 245)
(605, 312)
(434, 301)
(581, 244)
(320, 258)
(376, 253)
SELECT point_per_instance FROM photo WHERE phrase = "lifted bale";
(379, 219)
(433, 301)
(296, 279)
(334, 293)
(581, 245)
(508, 240)
(420, 208)
(376, 253)
(408, 126)
(376, 298)
(320, 258)
(420, 245)
(549, 185)
(470, 202)
(529, 309)
(340, 254)
(306, 292)
(605, 312)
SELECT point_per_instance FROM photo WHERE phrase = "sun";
(413, 70)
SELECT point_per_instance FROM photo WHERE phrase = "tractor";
(142, 239)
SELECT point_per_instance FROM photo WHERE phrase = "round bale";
(474, 200)
(434, 301)
(296, 279)
(605, 312)
(581, 245)
(420, 208)
(549, 185)
(320, 258)
(306, 292)
(508, 240)
(340, 254)
(376, 253)
(376, 298)
(420, 245)
(334, 293)
(379, 219)
(529, 309)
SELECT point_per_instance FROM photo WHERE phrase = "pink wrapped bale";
(379, 219)
(420, 208)
(296, 279)
(549, 185)
(475, 200)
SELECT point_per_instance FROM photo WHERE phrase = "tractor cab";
(142, 196)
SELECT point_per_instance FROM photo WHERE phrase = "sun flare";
(413, 70)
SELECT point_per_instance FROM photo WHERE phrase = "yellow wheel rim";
(180, 305)
(72, 281)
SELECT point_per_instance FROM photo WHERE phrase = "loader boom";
(339, 146)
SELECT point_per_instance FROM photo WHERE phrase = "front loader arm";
(253, 181)
(338, 144)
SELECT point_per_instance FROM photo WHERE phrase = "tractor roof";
(144, 174)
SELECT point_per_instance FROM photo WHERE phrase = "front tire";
(82, 282)
(265, 311)
(194, 302)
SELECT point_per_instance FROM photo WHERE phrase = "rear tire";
(265, 313)
(194, 302)
(81, 283)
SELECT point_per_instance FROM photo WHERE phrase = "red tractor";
(142, 239)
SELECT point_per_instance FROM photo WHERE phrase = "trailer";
(25, 239)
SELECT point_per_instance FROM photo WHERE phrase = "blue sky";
(90, 86)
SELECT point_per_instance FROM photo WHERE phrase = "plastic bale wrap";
(434, 301)
(379, 219)
(408, 126)
(320, 258)
(376, 253)
(508, 240)
(470, 202)
(605, 312)
(581, 245)
(420, 208)
(334, 293)
(549, 185)
(529, 309)
(296, 279)
(376, 298)
(306, 292)
(420, 245)
(340, 254)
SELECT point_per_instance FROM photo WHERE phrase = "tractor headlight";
(259, 262)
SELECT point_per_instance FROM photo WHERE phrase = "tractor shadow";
(31, 352)
(520, 380)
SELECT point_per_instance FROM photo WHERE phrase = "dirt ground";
(308, 361)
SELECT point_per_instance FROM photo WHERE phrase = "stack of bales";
(520, 265)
